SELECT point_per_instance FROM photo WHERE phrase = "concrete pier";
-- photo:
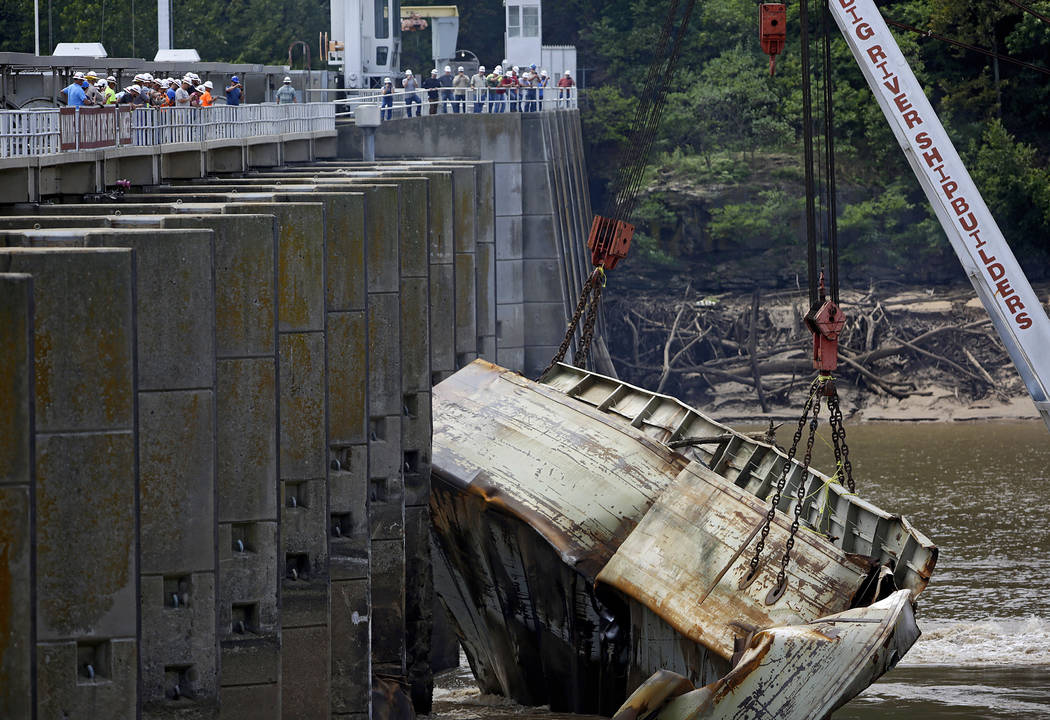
(216, 417)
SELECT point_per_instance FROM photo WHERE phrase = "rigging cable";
(967, 46)
(1030, 11)
(829, 154)
(611, 233)
(807, 134)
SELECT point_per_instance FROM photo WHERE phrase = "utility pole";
(36, 26)
(163, 25)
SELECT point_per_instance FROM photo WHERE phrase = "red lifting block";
(772, 30)
(609, 241)
(826, 321)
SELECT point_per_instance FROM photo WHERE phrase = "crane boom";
(1002, 286)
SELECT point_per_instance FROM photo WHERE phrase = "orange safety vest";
(206, 99)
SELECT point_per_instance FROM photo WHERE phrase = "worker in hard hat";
(386, 102)
(478, 83)
(433, 88)
(565, 89)
(286, 93)
(446, 88)
(411, 86)
(497, 95)
(234, 91)
(460, 84)
(73, 94)
(206, 98)
(510, 85)
(545, 81)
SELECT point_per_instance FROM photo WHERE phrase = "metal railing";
(50, 131)
(403, 103)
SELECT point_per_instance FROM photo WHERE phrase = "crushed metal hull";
(795, 672)
(578, 552)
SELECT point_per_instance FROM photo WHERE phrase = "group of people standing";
(88, 90)
(521, 91)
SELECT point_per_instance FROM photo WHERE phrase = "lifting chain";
(838, 439)
(821, 386)
(589, 297)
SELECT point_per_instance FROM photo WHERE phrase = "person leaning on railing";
(479, 82)
(205, 91)
(497, 100)
(74, 95)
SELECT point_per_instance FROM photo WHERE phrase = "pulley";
(772, 31)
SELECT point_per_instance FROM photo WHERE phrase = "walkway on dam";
(217, 450)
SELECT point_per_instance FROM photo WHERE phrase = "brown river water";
(981, 492)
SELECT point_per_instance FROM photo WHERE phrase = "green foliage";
(769, 221)
(1016, 188)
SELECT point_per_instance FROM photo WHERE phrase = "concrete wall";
(542, 217)
(222, 388)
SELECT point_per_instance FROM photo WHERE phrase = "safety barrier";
(488, 100)
(49, 131)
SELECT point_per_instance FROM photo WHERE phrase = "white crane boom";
(1001, 285)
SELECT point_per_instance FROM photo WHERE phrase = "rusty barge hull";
(582, 542)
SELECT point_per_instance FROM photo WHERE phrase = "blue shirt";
(233, 97)
(75, 95)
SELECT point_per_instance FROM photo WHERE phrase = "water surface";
(981, 492)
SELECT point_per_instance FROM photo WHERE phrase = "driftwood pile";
(896, 343)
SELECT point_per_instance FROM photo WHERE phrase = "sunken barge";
(589, 534)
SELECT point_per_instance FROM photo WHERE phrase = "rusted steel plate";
(798, 672)
(684, 561)
(579, 479)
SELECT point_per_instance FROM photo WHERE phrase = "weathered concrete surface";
(274, 459)
(17, 485)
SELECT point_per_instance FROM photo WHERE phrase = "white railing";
(451, 101)
(44, 132)
(28, 132)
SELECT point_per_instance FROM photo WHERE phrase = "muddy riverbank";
(918, 354)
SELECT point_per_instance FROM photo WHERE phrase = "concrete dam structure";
(215, 408)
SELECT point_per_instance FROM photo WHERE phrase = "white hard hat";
(568, 73)
(100, 84)
(147, 76)
(387, 80)
(208, 85)
(459, 69)
(287, 79)
(91, 74)
(515, 68)
(543, 73)
(481, 68)
(499, 69)
(199, 88)
(78, 76)
(111, 79)
(193, 76)
(135, 88)
(448, 69)
(165, 83)
(408, 72)
(434, 71)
